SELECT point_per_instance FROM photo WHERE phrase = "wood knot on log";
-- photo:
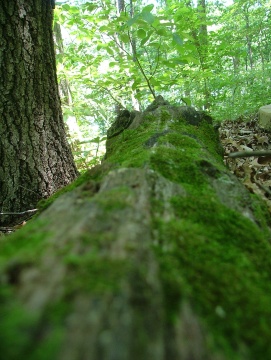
(122, 122)
(159, 101)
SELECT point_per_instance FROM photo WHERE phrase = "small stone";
(265, 117)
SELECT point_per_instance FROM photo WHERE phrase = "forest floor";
(245, 135)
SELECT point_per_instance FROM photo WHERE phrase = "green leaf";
(103, 28)
(141, 34)
(110, 51)
(177, 39)
(143, 42)
(148, 8)
(148, 17)
(162, 32)
(66, 7)
(169, 64)
(191, 60)
(135, 85)
(113, 63)
(155, 44)
(74, 10)
(133, 20)
(179, 61)
(125, 38)
(154, 82)
(187, 101)
(90, 6)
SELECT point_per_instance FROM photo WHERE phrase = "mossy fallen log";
(158, 253)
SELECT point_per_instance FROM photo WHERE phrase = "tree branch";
(239, 154)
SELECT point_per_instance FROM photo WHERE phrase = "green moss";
(23, 335)
(221, 262)
(190, 143)
(262, 214)
(208, 254)
(114, 199)
(15, 325)
(51, 334)
(171, 163)
(213, 256)
(210, 137)
(127, 149)
(50, 346)
(93, 274)
(23, 245)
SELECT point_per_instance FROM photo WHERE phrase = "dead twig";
(239, 154)
(20, 213)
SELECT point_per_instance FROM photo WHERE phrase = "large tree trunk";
(159, 253)
(35, 157)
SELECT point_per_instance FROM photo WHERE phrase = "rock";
(265, 117)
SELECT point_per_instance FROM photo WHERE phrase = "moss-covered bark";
(159, 253)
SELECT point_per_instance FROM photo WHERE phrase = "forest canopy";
(213, 55)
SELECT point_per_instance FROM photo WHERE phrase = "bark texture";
(35, 157)
(159, 253)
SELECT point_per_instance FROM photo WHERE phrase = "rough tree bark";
(35, 157)
(159, 253)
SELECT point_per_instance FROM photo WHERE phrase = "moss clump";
(127, 149)
(22, 333)
(51, 334)
(23, 245)
(171, 163)
(114, 199)
(262, 214)
(94, 274)
(221, 262)
(15, 325)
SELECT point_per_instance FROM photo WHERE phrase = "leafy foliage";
(211, 56)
